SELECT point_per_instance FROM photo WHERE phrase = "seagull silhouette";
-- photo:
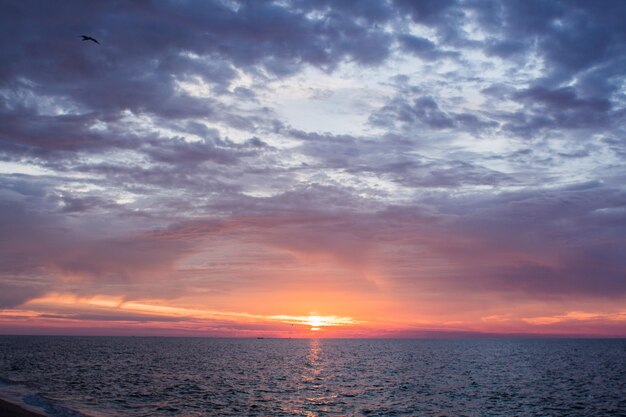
(89, 38)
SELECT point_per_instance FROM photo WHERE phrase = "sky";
(349, 168)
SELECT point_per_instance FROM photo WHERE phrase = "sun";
(315, 322)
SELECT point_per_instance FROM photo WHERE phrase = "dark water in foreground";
(199, 377)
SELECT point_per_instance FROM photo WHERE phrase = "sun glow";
(69, 307)
(315, 322)
(318, 322)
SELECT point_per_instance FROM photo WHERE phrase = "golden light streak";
(65, 301)
(578, 316)
(18, 313)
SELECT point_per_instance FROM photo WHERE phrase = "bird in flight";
(89, 38)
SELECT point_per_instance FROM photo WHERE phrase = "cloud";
(429, 12)
(44, 252)
(414, 112)
(577, 316)
(423, 48)
(15, 295)
(557, 241)
(573, 38)
(474, 151)
(560, 108)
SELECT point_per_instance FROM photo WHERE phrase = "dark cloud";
(14, 295)
(578, 40)
(430, 12)
(560, 108)
(395, 159)
(180, 152)
(40, 250)
(410, 113)
(423, 48)
(559, 241)
(31, 134)
(163, 39)
(83, 204)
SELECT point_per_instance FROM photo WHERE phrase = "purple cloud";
(470, 149)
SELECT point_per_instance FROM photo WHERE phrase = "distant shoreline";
(10, 409)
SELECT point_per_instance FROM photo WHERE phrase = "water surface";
(128, 376)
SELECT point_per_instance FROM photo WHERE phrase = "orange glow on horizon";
(114, 314)
(69, 306)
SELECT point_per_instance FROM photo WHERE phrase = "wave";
(31, 400)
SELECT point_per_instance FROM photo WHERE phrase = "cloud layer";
(436, 160)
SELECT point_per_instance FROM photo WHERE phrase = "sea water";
(144, 376)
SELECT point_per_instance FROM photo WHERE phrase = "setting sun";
(315, 322)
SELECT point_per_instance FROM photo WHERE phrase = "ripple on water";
(198, 377)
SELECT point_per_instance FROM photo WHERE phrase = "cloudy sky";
(366, 168)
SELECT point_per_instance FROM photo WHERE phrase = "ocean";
(152, 376)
